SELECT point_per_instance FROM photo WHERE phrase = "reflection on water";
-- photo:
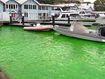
(47, 55)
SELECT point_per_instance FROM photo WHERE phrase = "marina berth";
(85, 19)
(35, 11)
(85, 16)
(32, 10)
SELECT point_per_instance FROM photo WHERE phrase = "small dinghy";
(38, 27)
(79, 31)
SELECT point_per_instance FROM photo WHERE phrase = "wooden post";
(23, 18)
(53, 19)
(10, 18)
(68, 19)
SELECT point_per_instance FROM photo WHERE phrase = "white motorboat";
(79, 31)
(102, 15)
(85, 19)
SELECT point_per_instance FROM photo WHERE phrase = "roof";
(23, 1)
(39, 3)
(2, 2)
(14, 1)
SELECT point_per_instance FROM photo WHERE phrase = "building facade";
(33, 10)
(30, 9)
(2, 6)
(14, 8)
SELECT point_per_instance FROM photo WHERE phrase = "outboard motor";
(102, 31)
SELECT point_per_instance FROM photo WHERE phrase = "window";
(63, 16)
(30, 6)
(52, 8)
(7, 6)
(82, 12)
(16, 6)
(34, 6)
(46, 8)
(40, 15)
(39, 7)
(43, 8)
(25, 14)
(12, 6)
(25, 6)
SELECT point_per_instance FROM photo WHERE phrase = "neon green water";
(47, 55)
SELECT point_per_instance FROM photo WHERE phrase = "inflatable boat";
(38, 27)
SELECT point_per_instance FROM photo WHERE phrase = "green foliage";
(99, 5)
(57, 1)
(46, 1)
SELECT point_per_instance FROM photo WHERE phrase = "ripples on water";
(47, 55)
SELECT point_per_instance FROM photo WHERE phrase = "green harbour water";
(48, 55)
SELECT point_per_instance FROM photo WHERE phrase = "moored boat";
(78, 31)
(85, 19)
(38, 27)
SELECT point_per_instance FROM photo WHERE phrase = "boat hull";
(78, 35)
(38, 28)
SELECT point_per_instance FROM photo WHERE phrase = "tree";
(99, 5)
(58, 1)
(46, 1)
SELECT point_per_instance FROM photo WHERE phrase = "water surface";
(48, 55)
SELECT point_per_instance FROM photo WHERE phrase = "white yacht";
(86, 17)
